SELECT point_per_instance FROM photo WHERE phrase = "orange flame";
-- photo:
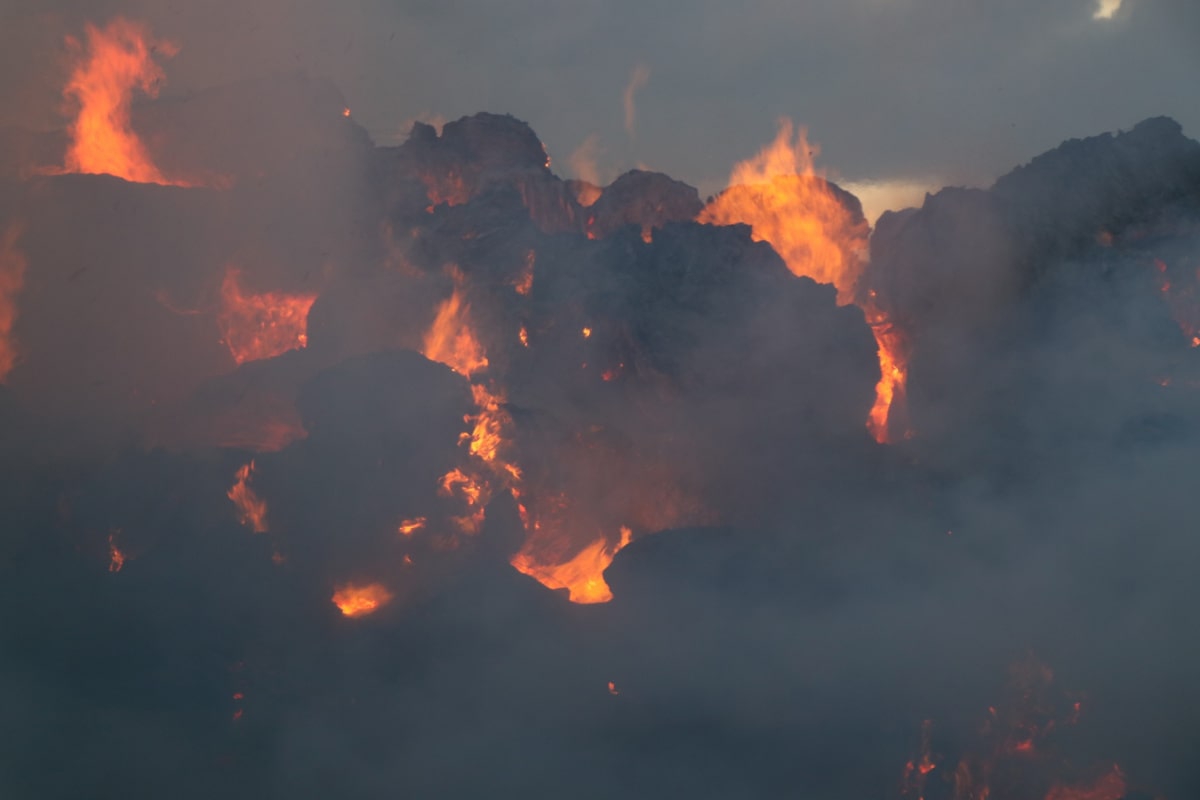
(119, 59)
(258, 326)
(410, 526)
(116, 559)
(791, 207)
(252, 510)
(582, 576)
(893, 375)
(612, 689)
(359, 601)
(450, 340)
(524, 282)
(12, 279)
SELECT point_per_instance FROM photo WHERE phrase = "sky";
(900, 95)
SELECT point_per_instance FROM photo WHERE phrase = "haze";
(913, 94)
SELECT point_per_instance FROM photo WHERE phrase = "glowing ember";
(1018, 744)
(787, 204)
(359, 601)
(116, 559)
(524, 283)
(612, 689)
(524, 337)
(450, 340)
(258, 326)
(346, 112)
(411, 526)
(251, 509)
(582, 576)
(12, 278)
(587, 333)
(118, 59)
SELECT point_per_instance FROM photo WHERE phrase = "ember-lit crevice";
(261, 325)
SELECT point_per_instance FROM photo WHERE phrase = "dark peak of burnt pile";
(645, 199)
(1055, 306)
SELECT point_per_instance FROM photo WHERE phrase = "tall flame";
(790, 206)
(12, 278)
(258, 326)
(451, 341)
(118, 59)
(252, 509)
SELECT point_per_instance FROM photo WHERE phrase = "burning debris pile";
(344, 470)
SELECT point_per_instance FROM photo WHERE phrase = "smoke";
(796, 599)
(637, 81)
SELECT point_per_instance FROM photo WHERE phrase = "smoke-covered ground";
(798, 599)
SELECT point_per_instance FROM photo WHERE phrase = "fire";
(258, 326)
(612, 689)
(586, 333)
(359, 601)
(116, 558)
(12, 279)
(582, 576)
(524, 282)
(410, 526)
(789, 205)
(119, 59)
(1109, 786)
(524, 337)
(450, 340)
(252, 510)
(1018, 743)
(893, 369)
(449, 189)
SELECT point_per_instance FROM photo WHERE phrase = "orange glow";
(450, 340)
(1018, 747)
(118, 59)
(411, 526)
(258, 326)
(346, 112)
(1110, 786)
(457, 482)
(12, 279)
(251, 509)
(449, 189)
(524, 283)
(587, 333)
(612, 689)
(790, 206)
(582, 576)
(116, 559)
(893, 367)
(359, 601)
(524, 337)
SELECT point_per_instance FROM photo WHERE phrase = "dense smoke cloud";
(798, 599)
